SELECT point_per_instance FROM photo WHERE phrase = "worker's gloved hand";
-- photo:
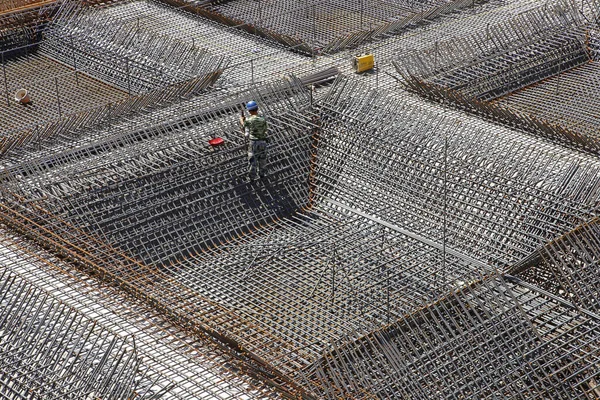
(242, 120)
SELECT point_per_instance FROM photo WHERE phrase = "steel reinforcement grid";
(89, 69)
(50, 351)
(350, 235)
(495, 338)
(177, 365)
(252, 59)
(21, 22)
(155, 154)
(567, 267)
(532, 71)
(322, 27)
(19, 5)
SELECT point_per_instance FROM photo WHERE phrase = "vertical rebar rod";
(5, 81)
(57, 97)
(74, 61)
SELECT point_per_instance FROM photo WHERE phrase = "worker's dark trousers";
(257, 156)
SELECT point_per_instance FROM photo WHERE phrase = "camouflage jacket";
(256, 127)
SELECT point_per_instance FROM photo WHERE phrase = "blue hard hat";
(252, 106)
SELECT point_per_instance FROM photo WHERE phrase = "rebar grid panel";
(320, 276)
(566, 100)
(122, 52)
(407, 207)
(535, 53)
(189, 310)
(251, 330)
(200, 367)
(56, 90)
(20, 142)
(19, 5)
(495, 196)
(253, 59)
(76, 96)
(594, 42)
(567, 266)
(455, 25)
(320, 27)
(376, 198)
(492, 339)
(51, 351)
(150, 120)
(513, 54)
(17, 37)
(23, 26)
(160, 191)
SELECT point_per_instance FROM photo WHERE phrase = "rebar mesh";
(322, 27)
(18, 5)
(127, 55)
(67, 75)
(491, 339)
(512, 73)
(371, 263)
(253, 60)
(23, 28)
(379, 226)
(182, 186)
(562, 100)
(50, 351)
(567, 267)
(178, 365)
(498, 196)
(504, 57)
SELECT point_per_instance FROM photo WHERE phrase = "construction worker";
(255, 129)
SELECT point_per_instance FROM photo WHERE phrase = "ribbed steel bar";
(504, 57)
(379, 226)
(486, 175)
(562, 100)
(339, 241)
(129, 56)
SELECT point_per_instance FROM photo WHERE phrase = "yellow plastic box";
(363, 63)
